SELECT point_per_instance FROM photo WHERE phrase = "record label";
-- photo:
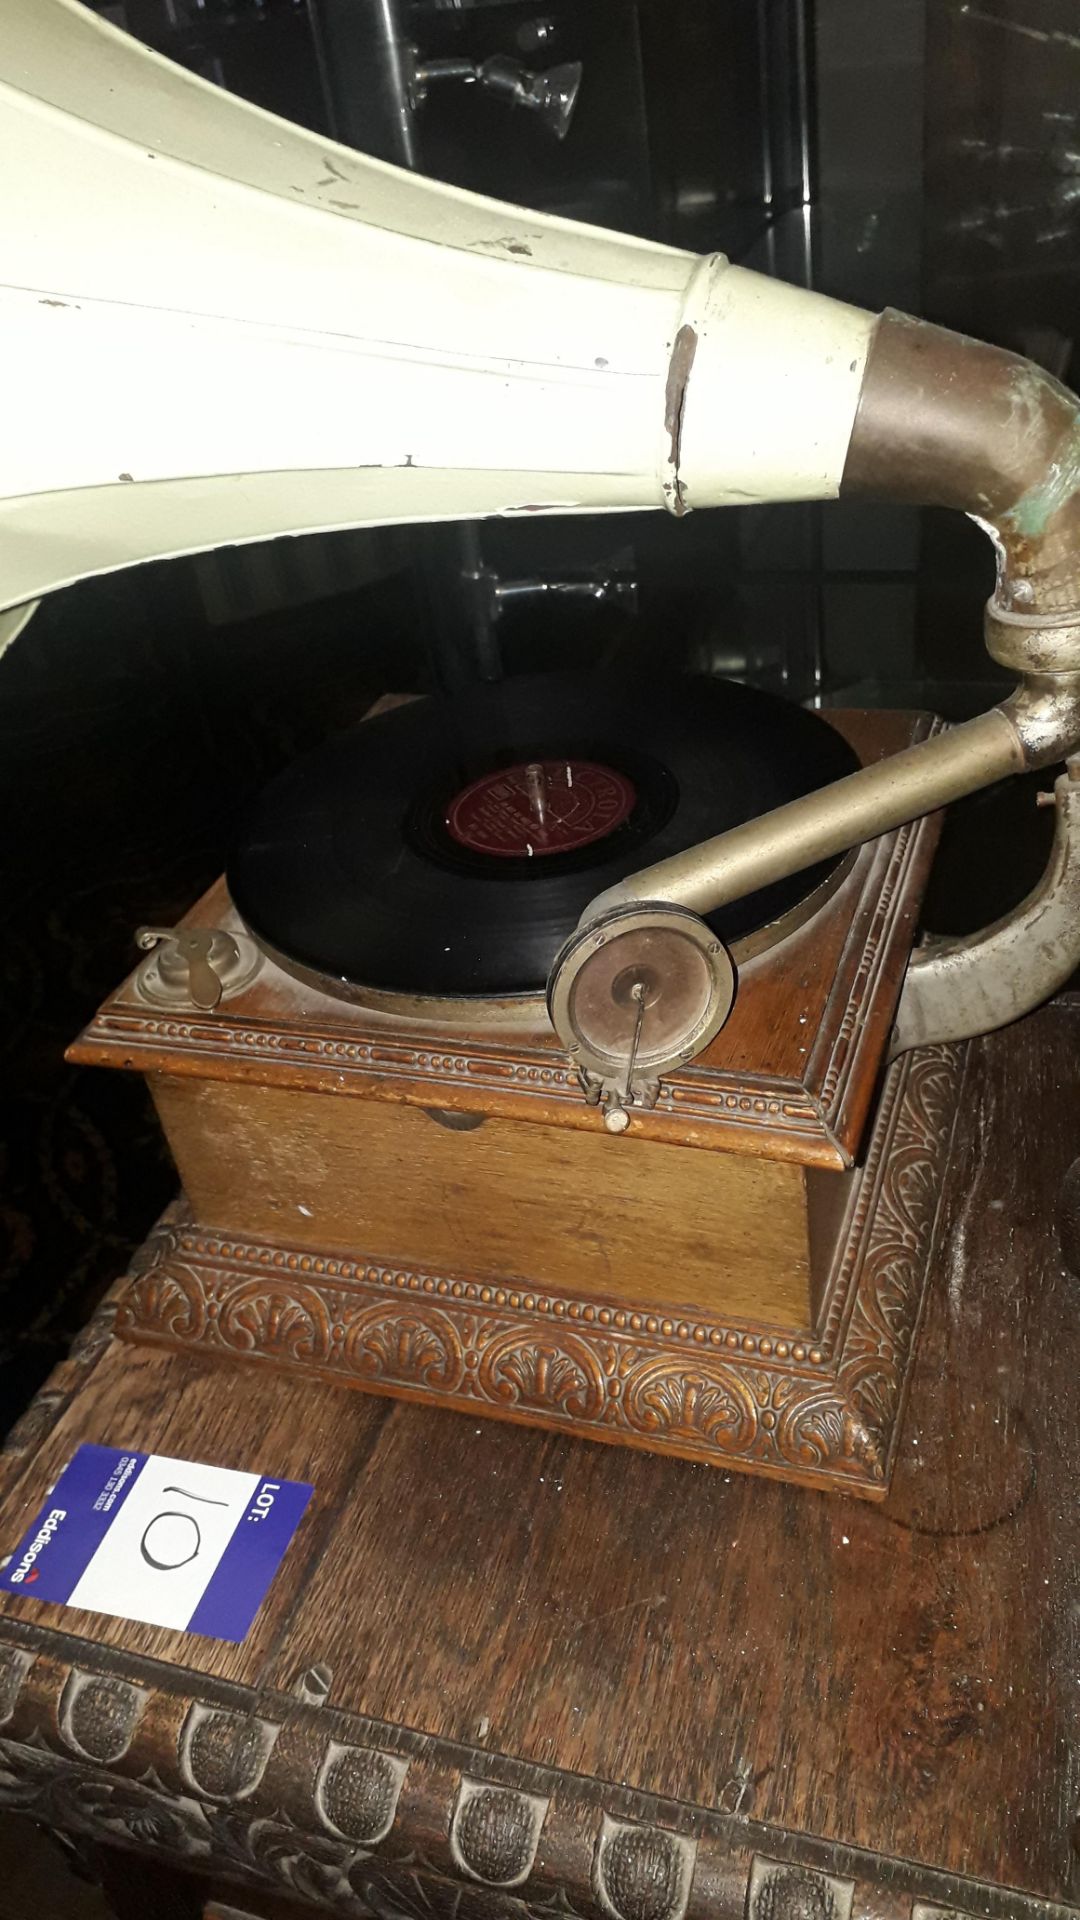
(539, 807)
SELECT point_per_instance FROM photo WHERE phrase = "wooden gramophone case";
(736, 1279)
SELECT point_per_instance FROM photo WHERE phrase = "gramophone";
(567, 1055)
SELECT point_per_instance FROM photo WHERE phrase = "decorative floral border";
(823, 1410)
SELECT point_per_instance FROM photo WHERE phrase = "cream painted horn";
(217, 328)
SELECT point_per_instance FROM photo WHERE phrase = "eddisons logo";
(23, 1574)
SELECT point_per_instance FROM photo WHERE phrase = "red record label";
(540, 806)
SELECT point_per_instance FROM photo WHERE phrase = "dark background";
(925, 156)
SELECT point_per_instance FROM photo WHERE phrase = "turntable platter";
(447, 848)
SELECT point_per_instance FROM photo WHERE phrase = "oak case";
(439, 1215)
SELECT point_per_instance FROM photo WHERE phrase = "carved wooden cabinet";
(432, 1211)
(505, 1675)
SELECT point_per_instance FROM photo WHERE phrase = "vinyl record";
(449, 847)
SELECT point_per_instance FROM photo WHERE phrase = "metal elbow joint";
(946, 421)
(941, 420)
(1045, 715)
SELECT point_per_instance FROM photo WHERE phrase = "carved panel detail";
(356, 1793)
(224, 1755)
(171, 1293)
(632, 1870)
(99, 1715)
(642, 1873)
(15, 1664)
(824, 1409)
(263, 1850)
(494, 1833)
(781, 1890)
(741, 1100)
(30, 1429)
(266, 1851)
(889, 900)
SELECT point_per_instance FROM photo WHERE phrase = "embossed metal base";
(820, 1405)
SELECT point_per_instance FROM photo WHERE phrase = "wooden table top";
(880, 1697)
